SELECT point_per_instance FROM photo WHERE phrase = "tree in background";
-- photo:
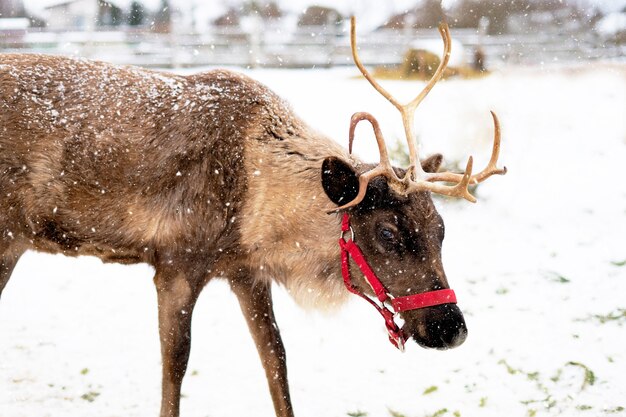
(319, 16)
(468, 13)
(430, 14)
(12, 8)
(427, 14)
(137, 14)
(163, 18)
(556, 13)
(267, 10)
(109, 14)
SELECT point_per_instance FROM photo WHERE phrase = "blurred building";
(82, 14)
(13, 22)
(71, 14)
(320, 16)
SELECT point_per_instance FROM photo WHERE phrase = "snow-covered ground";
(537, 264)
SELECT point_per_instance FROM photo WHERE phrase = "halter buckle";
(396, 335)
(343, 234)
(398, 341)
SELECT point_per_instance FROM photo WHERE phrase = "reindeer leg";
(8, 260)
(177, 294)
(256, 304)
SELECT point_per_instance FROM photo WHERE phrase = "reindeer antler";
(415, 178)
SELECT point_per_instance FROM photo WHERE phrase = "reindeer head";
(394, 220)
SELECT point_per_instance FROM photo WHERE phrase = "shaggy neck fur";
(285, 228)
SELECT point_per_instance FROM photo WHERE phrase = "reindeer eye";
(388, 237)
(387, 234)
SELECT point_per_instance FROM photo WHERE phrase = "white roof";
(14, 23)
(612, 24)
(608, 6)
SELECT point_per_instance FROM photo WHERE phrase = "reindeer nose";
(452, 333)
(445, 328)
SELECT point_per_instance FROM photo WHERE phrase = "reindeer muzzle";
(398, 304)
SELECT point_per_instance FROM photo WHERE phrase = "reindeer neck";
(284, 228)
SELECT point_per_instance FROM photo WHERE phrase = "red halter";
(399, 304)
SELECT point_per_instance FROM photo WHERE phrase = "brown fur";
(281, 242)
(209, 175)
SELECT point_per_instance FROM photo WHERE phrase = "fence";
(305, 47)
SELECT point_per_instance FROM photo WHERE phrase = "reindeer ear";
(432, 163)
(339, 180)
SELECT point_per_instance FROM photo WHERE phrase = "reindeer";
(213, 176)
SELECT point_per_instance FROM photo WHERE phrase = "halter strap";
(410, 302)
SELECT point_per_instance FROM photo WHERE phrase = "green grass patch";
(546, 400)
(90, 396)
(618, 315)
(508, 367)
(357, 413)
(556, 277)
(532, 376)
(439, 412)
(590, 377)
(430, 390)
